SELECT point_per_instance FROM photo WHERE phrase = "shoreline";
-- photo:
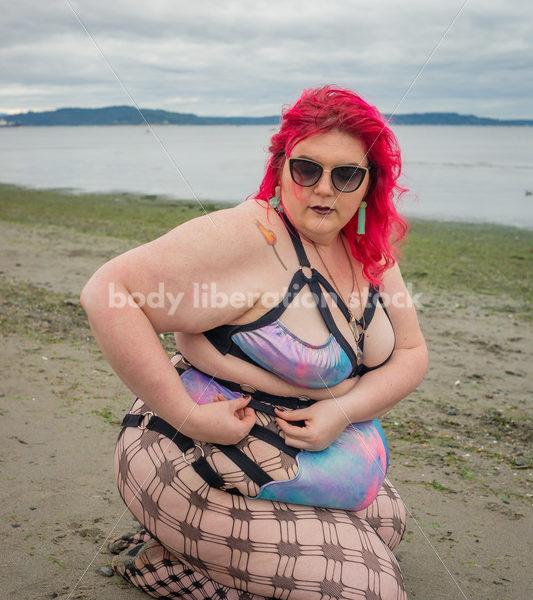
(141, 196)
(460, 444)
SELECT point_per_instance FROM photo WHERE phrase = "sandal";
(128, 540)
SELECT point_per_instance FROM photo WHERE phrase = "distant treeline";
(128, 115)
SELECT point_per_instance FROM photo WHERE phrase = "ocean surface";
(476, 174)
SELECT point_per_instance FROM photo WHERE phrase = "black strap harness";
(221, 336)
(260, 401)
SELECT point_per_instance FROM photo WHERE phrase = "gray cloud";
(250, 57)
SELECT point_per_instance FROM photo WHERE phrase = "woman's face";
(302, 204)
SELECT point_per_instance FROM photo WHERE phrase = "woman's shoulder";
(216, 251)
(246, 212)
(212, 243)
(223, 231)
(247, 226)
(224, 243)
(241, 217)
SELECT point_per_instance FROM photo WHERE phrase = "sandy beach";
(460, 445)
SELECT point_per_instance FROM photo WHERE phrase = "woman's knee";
(391, 580)
(391, 589)
(387, 516)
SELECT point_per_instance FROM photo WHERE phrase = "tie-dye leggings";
(202, 542)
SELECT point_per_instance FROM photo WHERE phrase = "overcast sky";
(237, 57)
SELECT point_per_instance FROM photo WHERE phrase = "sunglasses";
(345, 178)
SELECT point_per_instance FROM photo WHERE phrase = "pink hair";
(332, 108)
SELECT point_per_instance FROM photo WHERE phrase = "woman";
(259, 472)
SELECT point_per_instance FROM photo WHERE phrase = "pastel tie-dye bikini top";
(270, 344)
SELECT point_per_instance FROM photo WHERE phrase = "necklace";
(357, 327)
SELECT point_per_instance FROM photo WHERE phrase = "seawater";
(478, 174)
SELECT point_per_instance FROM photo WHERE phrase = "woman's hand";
(222, 421)
(324, 422)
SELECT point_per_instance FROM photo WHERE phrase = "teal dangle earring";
(361, 216)
(275, 200)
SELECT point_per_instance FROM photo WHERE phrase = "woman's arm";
(380, 390)
(376, 392)
(155, 288)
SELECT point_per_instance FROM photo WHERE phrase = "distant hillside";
(455, 119)
(128, 115)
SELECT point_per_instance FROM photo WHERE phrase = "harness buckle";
(202, 454)
(180, 362)
(141, 424)
(303, 402)
(245, 387)
(308, 273)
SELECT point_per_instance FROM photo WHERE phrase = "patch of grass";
(439, 487)
(106, 414)
(466, 473)
(470, 257)
(519, 428)
(121, 215)
(56, 560)
(28, 309)
(412, 429)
